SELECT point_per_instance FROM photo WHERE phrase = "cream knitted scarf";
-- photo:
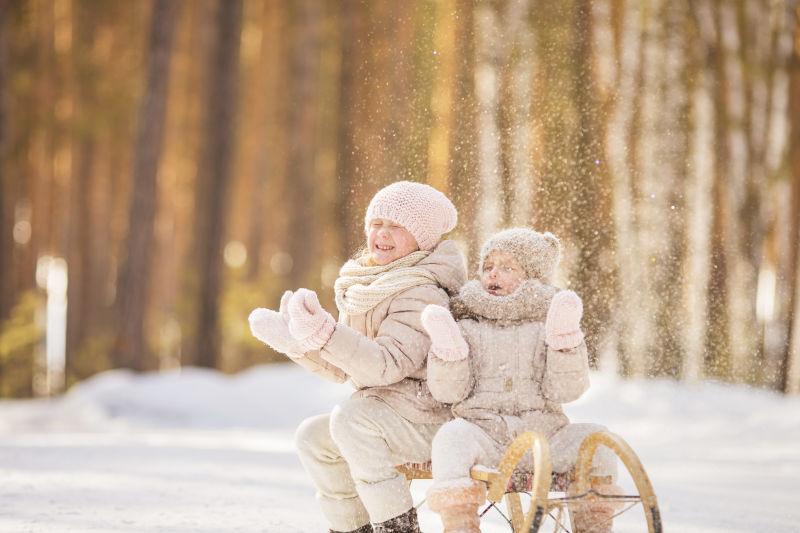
(528, 303)
(360, 288)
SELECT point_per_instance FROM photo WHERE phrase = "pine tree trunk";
(303, 239)
(717, 357)
(463, 146)
(130, 347)
(348, 208)
(594, 272)
(80, 254)
(6, 196)
(442, 104)
(791, 366)
(263, 154)
(674, 129)
(487, 91)
(623, 150)
(214, 178)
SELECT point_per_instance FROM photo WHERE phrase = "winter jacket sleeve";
(566, 375)
(400, 346)
(449, 381)
(315, 364)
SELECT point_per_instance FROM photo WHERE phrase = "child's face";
(501, 274)
(388, 241)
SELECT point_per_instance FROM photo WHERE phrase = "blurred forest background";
(167, 166)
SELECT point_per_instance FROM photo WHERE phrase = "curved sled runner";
(511, 479)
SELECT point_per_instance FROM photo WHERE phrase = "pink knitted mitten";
(563, 325)
(446, 340)
(309, 323)
(272, 329)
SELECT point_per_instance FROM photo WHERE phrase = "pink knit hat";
(425, 212)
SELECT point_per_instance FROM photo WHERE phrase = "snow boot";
(457, 505)
(597, 516)
(363, 529)
(404, 523)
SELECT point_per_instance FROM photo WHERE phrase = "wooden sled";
(547, 490)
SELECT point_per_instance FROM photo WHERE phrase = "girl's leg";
(596, 517)
(457, 447)
(456, 497)
(336, 491)
(374, 439)
(564, 446)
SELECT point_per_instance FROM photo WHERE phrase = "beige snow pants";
(351, 456)
(460, 444)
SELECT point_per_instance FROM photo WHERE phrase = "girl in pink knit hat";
(380, 345)
(509, 354)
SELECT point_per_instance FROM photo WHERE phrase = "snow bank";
(268, 397)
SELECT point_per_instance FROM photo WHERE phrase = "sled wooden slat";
(509, 480)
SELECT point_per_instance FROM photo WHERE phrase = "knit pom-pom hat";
(537, 253)
(425, 212)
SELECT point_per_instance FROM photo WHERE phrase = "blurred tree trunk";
(487, 91)
(515, 66)
(594, 272)
(442, 104)
(674, 130)
(520, 192)
(463, 171)
(302, 237)
(624, 150)
(348, 200)
(266, 154)
(556, 120)
(80, 254)
(417, 123)
(743, 272)
(718, 349)
(214, 178)
(7, 195)
(791, 364)
(767, 63)
(753, 63)
(130, 346)
(699, 202)
(396, 62)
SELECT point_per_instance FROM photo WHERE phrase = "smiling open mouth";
(384, 247)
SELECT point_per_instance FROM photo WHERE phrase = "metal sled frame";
(508, 482)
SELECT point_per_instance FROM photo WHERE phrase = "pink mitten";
(309, 323)
(446, 340)
(271, 328)
(563, 326)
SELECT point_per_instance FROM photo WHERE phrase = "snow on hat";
(425, 212)
(537, 253)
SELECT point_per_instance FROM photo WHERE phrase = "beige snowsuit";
(351, 454)
(511, 382)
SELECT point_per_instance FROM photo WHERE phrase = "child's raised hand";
(446, 340)
(563, 325)
(272, 329)
(309, 323)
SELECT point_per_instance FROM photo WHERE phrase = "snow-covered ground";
(198, 451)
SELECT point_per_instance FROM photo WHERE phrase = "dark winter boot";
(363, 529)
(404, 523)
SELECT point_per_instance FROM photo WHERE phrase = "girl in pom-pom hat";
(378, 343)
(511, 352)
